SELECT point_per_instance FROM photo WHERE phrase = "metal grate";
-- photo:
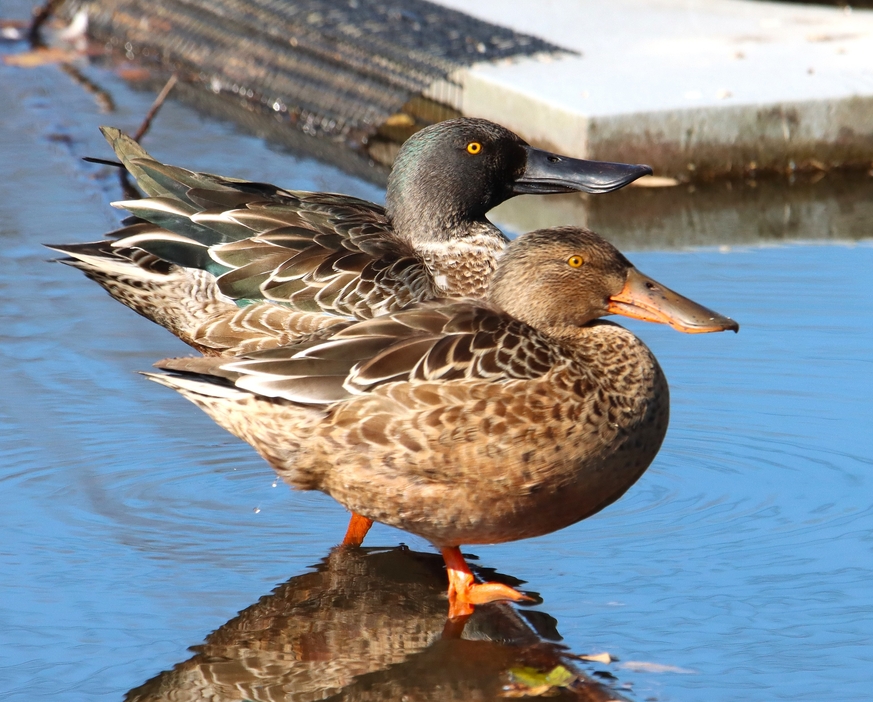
(330, 68)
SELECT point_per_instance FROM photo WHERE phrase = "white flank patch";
(118, 268)
(196, 387)
(154, 204)
(136, 239)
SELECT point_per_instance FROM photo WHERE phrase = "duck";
(468, 421)
(230, 266)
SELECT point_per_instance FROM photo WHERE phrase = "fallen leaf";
(134, 73)
(597, 658)
(559, 676)
(536, 683)
(400, 119)
(655, 182)
(40, 57)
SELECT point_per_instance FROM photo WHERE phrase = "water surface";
(739, 566)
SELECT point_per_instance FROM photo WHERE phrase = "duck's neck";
(428, 201)
(429, 217)
(459, 247)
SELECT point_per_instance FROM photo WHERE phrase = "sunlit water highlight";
(132, 526)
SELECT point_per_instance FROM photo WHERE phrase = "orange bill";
(646, 299)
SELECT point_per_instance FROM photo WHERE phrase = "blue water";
(132, 526)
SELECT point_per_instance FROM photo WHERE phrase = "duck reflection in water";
(368, 624)
(468, 422)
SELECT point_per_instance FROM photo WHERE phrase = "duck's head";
(451, 173)
(560, 279)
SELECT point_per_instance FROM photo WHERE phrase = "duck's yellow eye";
(575, 261)
(474, 147)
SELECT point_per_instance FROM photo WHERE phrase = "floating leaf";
(559, 676)
(40, 57)
(538, 682)
(400, 119)
(597, 658)
(655, 182)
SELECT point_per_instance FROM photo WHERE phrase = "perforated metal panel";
(336, 68)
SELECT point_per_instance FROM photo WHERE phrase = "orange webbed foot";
(464, 593)
(357, 530)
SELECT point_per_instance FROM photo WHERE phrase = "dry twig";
(156, 106)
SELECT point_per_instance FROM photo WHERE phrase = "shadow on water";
(370, 624)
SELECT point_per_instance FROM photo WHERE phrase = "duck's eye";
(474, 147)
(575, 261)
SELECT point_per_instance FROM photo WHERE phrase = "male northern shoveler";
(468, 422)
(231, 266)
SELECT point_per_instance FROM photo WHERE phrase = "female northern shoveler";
(468, 422)
(230, 266)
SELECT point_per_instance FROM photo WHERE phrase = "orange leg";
(358, 528)
(464, 593)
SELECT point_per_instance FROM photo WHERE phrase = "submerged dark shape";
(366, 624)
(468, 422)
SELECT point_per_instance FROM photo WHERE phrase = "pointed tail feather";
(128, 151)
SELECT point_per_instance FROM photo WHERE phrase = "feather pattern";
(325, 255)
(464, 421)
(318, 255)
(434, 341)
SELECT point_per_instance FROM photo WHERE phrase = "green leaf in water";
(558, 676)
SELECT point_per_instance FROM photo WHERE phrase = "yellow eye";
(575, 261)
(474, 147)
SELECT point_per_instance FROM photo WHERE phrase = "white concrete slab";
(704, 86)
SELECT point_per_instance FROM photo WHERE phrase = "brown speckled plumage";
(464, 422)
(473, 460)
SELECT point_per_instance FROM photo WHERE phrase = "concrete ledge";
(694, 88)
